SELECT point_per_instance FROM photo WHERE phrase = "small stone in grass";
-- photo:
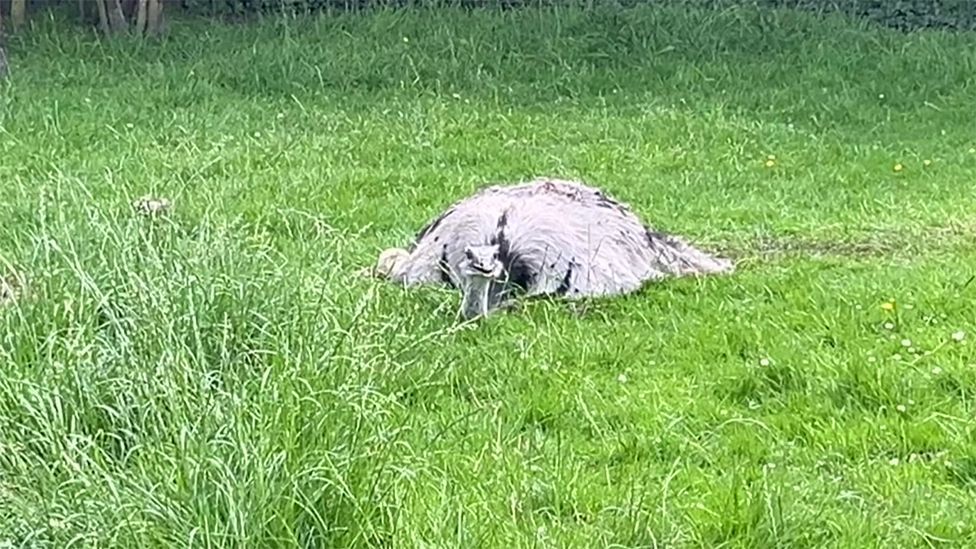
(147, 205)
(12, 287)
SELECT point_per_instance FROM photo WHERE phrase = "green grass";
(219, 376)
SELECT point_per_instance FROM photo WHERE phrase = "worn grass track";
(218, 376)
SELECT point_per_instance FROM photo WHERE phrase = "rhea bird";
(543, 237)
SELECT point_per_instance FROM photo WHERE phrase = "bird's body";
(542, 237)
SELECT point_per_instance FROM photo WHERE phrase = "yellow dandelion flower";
(888, 306)
(899, 167)
(770, 163)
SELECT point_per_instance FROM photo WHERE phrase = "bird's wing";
(578, 247)
(610, 249)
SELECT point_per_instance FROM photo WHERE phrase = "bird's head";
(482, 261)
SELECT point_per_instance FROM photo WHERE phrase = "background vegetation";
(902, 14)
(218, 376)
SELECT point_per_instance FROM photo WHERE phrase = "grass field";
(220, 377)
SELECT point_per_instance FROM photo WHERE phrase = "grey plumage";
(542, 237)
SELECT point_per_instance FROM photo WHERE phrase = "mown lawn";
(220, 377)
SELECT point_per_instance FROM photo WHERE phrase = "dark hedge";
(900, 14)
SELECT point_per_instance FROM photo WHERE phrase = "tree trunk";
(141, 17)
(116, 17)
(103, 23)
(154, 21)
(121, 16)
(18, 12)
(3, 50)
(111, 17)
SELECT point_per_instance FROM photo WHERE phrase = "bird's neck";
(477, 295)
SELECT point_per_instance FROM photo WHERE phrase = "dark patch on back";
(604, 201)
(652, 235)
(429, 228)
(519, 271)
(502, 221)
(445, 267)
(520, 274)
(657, 237)
(564, 285)
(504, 245)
